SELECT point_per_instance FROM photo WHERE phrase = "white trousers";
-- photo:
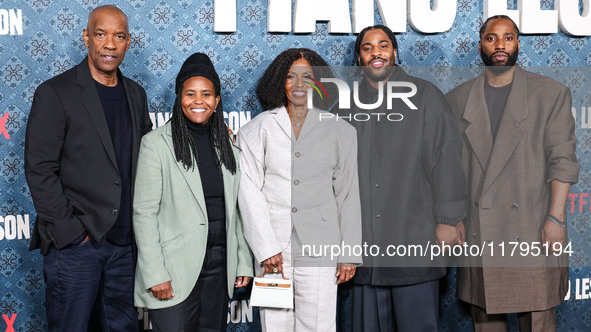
(315, 295)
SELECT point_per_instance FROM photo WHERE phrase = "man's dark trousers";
(82, 274)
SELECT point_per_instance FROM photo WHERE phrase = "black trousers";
(206, 308)
(396, 308)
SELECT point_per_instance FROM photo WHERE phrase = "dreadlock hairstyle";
(485, 24)
(361, 35)
(184, 147)
(271, 86)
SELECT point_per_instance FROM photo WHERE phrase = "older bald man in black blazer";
(82, 142)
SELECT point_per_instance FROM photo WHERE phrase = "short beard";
(378, 77)
(498, 69)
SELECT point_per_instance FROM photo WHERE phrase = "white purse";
(272, 292)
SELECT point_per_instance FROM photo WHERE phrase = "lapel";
(191, 176)
(311, 120)
(510, 132)
(92, 103)
(133, 114)
(230, 194)
(478, 132)
(283, 121)
(282, 118)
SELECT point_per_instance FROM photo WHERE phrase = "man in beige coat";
(519, 157)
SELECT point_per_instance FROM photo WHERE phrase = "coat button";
(515, 206)
(114, 212)
(474, 236)
(377, 185)
(475, 204)
(296, 182)
(517, 239)
(378, 216)
(294, 210)
(297, 154)
(117, 184)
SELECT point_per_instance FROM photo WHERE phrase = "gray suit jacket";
(170, 223)
(309, 184)
(509, 187)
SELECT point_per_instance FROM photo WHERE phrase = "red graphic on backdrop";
(3, 126)
(9, 322)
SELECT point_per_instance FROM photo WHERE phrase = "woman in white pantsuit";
(299, 186)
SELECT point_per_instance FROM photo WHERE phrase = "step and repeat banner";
(42, 38)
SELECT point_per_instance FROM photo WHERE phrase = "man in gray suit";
(519, 157)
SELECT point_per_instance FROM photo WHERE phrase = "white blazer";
(310, 184)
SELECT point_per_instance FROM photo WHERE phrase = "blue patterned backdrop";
(164, 34)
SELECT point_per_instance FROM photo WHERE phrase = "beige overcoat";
(508, 184)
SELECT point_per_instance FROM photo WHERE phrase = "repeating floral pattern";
(166, 32)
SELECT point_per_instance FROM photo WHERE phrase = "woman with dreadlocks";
(299, 191)
(191, 250)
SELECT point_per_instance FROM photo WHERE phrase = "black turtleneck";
(210, 172)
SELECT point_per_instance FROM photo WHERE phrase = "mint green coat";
(170, 223)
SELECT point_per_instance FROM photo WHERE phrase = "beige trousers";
(315, 296)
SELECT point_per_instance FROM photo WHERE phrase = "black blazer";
(70, 161)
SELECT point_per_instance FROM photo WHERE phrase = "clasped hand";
(274, 264)
(164, 291)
